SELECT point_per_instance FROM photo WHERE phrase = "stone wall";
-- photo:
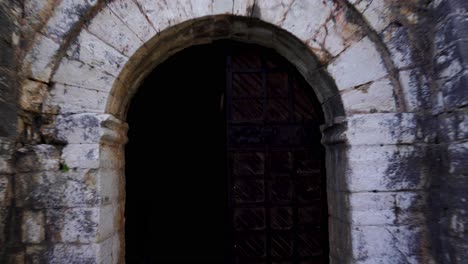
(391, 77)
(451, 110)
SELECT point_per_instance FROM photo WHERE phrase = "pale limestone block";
(223, 6)
(340, 34)
(109, 250)
(81, 156)
(55, 189)
(378, 15)
(110, 29)
(110, 184)
(304, 18)
(130, 14)
(386, 208)
(377, 96)
(66, 15)
(164, 14)
(33, 227)
(39, 62)
(375, 129)
(273, 12)
(385, 168)
(386, 244)
(199, 8)
(72, 99)
(88, 128)
(91, 50)
(79, 74)
(73, 225)
(73, 253)
(359, 64)
(108, 221)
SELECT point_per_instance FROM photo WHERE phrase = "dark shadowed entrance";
(224, 161)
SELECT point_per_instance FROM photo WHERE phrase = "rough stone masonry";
(391, 76)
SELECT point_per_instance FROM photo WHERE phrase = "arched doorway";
(237, 174)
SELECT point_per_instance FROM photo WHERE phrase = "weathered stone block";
(111, 219)
(339, 33)
(110, 29)
(71, 99)
(222, 6)
(304, 18)
(454, 91)
(81, 156)
(271, 11)
(38, 158)
(451, 60)
(71, 72)
(72, 253)
(397, 40)
(111, 184)
(416, 89)
(88, 128)
(111, 251)
(378, 14)
(137, 22)
(450, 30)
(376, 129)
(91, 50)
(58, 189)
(454, 126)
(385, 168)
(163, 14)
(359, 64)
(33, 227)
(73, 225)
(387, 244)
(387, 208)
(84, 225)
(444, 8)
(66, 15)
(373, 97)
(458, 157)
(40, 60)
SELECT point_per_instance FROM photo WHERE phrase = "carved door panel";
(275, 162)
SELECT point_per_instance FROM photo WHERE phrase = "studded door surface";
(276, 187)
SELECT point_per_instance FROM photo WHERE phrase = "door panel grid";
(275, 162)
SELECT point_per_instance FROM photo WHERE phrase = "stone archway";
(368, 136)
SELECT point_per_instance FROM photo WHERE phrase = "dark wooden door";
(275, 161)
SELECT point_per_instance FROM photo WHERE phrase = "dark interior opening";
(194, 193)
(176, 194)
